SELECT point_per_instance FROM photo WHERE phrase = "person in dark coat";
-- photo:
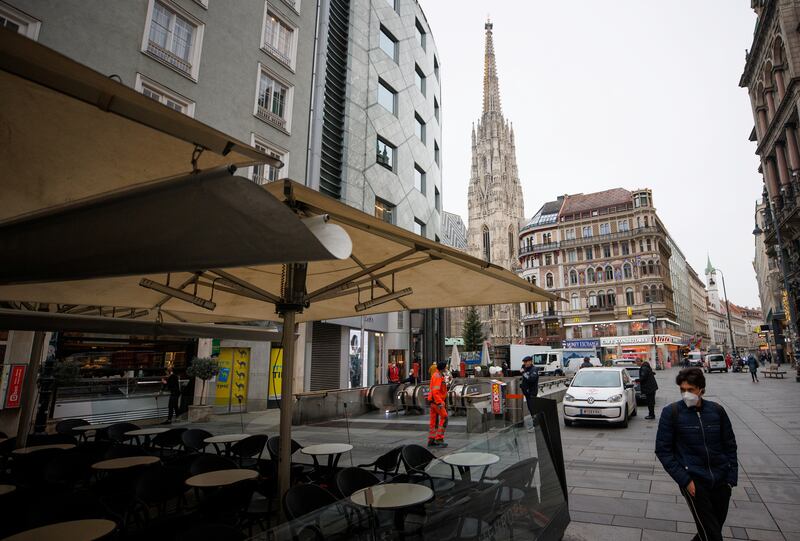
(529, 385)
(752, 364)
(649, 386)
(697, 447)
(173, 385)
(586, 363)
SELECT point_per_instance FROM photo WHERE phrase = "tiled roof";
(591, 201)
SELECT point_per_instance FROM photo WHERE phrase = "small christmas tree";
(472, 332)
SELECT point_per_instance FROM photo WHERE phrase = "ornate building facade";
(496, 208)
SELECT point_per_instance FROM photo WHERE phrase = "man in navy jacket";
(696, 445)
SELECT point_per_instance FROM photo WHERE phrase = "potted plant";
(203, 368)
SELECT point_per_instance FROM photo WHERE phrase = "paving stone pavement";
(618, 489)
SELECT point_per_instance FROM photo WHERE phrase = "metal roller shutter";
(325, 356)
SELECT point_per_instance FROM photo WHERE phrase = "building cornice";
(753, 58)
(785, 110)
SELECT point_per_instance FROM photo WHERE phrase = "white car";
(606, 395)
(715, 361)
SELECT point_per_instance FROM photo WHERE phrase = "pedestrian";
(394, 372)
(649, 386)
(529, 385)
(506, 369)
(697, 447)
(728, 361)
(173, 386)
(438, 401)
(753, 366)
(431, 371)
(586, 363)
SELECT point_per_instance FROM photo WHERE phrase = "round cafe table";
(395, 497)
(34, 448)
(227, 440)
(117, 464)
(83, 431)
(220, 478)
(74, 530)
(465, 461)
(146, 432)
(333, 451)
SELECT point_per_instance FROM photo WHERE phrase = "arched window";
(646, 294)
(575, 302)
(592, 299)
(548, 280)
(589, 275)
(487, 252)
(612, 297)
(573, 277)
(626, 271)
(629, 296)
(646, 222)
(533, 279)
(598, 272)
(660, 297)
(651, 267)
(609, 274)
(649, 245)
(601, 299)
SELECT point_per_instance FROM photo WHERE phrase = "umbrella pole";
(287, 381)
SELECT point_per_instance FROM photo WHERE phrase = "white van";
(558, 362)
(715, 361)
(695, 358)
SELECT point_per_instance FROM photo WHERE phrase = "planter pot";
(199, 414)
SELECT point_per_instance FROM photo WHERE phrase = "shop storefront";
(641, 347)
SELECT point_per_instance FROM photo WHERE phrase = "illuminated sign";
(497, 406)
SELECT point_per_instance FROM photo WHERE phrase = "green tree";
(204, 368)
(472, 332)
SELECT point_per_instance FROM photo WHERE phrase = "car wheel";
(567, 422)
(726, 370)
(624, 422)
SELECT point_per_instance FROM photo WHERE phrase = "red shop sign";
(496, 406)
(15, 379)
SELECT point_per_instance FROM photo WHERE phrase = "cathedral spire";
(491, 87)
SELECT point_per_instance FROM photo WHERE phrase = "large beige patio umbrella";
(390, 269)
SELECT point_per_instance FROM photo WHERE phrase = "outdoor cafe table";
(85, 429)
(393, 497)
(465, 461)
(146, 432)
(116, 464)
(75, 530)
(227, 440)
(34, 448)
(334, 452)
(220, 478)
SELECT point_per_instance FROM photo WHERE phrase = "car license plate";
(591, 411)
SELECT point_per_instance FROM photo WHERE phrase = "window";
(548, 259)
(623, 225)
(590, 277)
(385, 154)
(173, 39)
(589, 253)
(625, 248)
(436, 109)
(575, 302)
(437, 199)
(606, 250)
(264, 173)
(587, 231)
(436, 67)
(611, 297)
(649, 245)
(384, 211)
(19, 22)
(629, 296)
(387, 97)
(627, 272)
(272, 105)
(419, 79)
(609, 274)
(419, 127)
(646, 294)
(487, 255)
(388, 43)
(548, 280)
(547, 238)
(573, 278)
(419, 178)
(572, 256)
(279, 39)
(419, 227)
(163, 96)
(592, 299)
(436, 153)
(605, 229)
(651, 268)
(598, 274)
(646, 221)
(569, 234)
(420, 33)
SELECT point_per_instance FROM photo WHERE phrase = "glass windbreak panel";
(501, 485)
(596, 378)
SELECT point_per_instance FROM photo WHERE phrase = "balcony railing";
(270, 117)
(169, 57)
(581, 241)
(260, 179)
(279, 55)
(547, 314)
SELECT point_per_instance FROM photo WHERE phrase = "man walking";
(529, 386)
(649, 386)
(586, 363)
(752, 364)
(438, 401)
(696, 445)
(173, 385)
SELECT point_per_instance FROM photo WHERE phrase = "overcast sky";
(615, 93)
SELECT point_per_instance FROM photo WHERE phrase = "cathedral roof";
(592, 201)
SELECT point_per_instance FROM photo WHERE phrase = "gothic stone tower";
(496, 209)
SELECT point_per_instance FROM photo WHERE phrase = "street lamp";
(728, 310)
(784, 273)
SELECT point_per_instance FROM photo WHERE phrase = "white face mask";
(690, 399)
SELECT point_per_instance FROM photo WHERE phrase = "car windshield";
(596, 378)
(540, 359)
(715, 358)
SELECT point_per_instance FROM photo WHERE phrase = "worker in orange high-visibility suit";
(438, 400)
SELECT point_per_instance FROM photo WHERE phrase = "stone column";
(794, 157)
(783, 168)
(769, 94)
(771, 177)
(763, 122)
(780, 86)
